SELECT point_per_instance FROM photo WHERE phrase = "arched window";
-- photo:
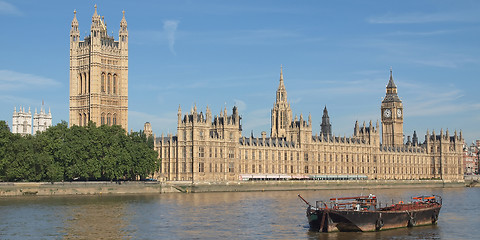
(103, 82)
(84, 119)
(109, 83)
(102, 120)
(115, 84)
(85, 82)
(114, 119)
(109, 118)
(80, 84)
(80, 120)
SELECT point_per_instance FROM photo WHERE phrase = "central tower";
(281, 112)
(392, 116)
(99, 74)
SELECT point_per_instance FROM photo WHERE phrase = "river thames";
(237, 215)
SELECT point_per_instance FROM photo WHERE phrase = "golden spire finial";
(75, 12)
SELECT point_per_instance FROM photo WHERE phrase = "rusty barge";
(362, 214)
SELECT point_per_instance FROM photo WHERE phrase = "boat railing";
(356, 204)
(428, 199)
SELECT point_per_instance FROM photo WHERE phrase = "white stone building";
(42, 120)
(22, 121)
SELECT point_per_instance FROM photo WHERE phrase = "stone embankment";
(83, 188)
(115, 188)
(315, 185)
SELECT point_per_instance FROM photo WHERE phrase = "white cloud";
(170, 28)
(242, 106)
(434, 101)
(424, 33)
(10, 80)
(8, 9)
(17, 100)
(417, 17)
(447, 61)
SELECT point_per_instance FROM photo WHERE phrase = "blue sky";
(226, 53)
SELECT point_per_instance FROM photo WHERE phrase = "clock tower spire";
(392, 116)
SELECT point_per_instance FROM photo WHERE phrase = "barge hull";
(325, 220)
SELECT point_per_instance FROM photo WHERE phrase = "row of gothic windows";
(83, 83)
(83, 119)
(108, 119)
(109, 83)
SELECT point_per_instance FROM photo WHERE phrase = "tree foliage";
(76, 153)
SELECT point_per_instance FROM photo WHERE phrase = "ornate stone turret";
(42, 120)
(22, 122)
(74, 32)
(356, 130)
(326, 127)
(147, 129)
(179, 115)
(123, 34)
(415, 139)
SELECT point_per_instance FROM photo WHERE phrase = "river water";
(238, 215)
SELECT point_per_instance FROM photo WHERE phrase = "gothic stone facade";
(211, 148)
(22, 121)
(99, 74)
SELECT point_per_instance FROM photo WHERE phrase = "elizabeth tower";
(99, 74)
(392, 116)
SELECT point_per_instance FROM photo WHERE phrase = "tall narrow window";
(87, 79)
(80, 84)
(102, 120)
(109, 83)
(103, 82)
(114, 121)
(80, 120)
(85, 83)
(109, 118)
(115, 84)
(84, 119)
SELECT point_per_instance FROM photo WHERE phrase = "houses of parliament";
(211, 148)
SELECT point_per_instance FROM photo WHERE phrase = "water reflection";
(96, 218)
(250, 215)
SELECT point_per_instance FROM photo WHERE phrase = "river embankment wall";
(316, 185)
(116, 188)
(83, 188)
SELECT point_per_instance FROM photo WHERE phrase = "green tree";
(76, 153)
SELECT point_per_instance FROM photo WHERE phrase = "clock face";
(387, 113)
(399, 113)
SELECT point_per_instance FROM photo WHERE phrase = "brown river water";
(238, 215)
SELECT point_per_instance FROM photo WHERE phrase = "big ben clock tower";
(392, 116)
